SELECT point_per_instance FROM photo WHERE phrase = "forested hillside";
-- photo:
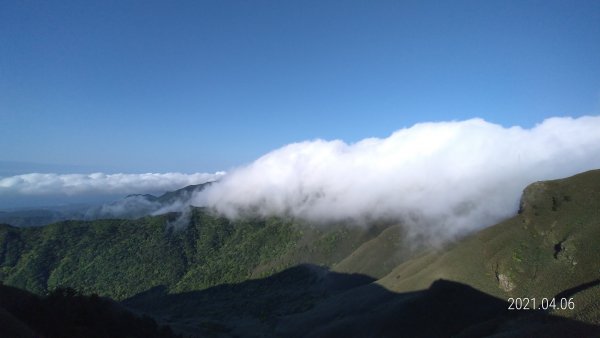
(279, 276)
(120, 258)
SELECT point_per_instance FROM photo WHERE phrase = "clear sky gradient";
(200, 86)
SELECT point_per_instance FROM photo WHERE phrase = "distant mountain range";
(286, 277)
(130, 207)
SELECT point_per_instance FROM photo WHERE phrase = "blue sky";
(155, 86)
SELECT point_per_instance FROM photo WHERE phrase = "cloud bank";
(437, 178)
(37, 184)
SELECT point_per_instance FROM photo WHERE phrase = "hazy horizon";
(439, 178)
(101, 100)
(160, 87)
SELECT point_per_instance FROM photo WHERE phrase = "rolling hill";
(280, 276)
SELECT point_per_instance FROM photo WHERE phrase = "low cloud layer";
(37, 184)
(440, 178)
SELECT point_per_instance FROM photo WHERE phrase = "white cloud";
(444, 177)
(439, 179)
(99, 183)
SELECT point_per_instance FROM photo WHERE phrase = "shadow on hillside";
(66, 313)
(308, 300)
(574, 290)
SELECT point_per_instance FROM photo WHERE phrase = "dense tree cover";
(121, 258)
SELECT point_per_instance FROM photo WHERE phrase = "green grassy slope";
(378, 256)
(549, 247)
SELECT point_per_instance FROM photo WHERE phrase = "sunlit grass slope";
(551, 247)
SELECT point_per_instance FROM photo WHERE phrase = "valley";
(281, 276)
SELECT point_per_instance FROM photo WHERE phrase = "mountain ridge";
(131, 206)
(547, 249)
